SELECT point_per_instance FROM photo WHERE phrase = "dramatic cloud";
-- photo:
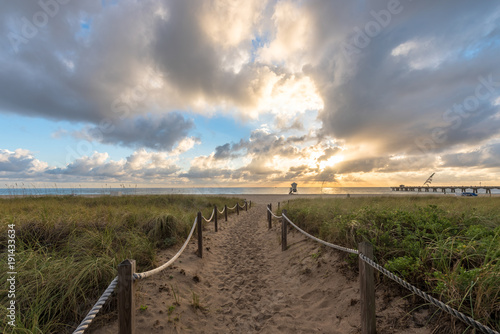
(159, 133)
(483, 157)
(393, 76)
(326, 90)
(267, 156)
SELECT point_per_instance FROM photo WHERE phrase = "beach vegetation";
(68, 249)
(447, 246)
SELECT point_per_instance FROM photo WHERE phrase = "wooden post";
(270, 216)
(199, 226)
(126, 300)
(367, 290)
(278, 206)
(215, 217)
(267, 211)
(237, 209)
(246, 206)
(284, 225)
(225, 212)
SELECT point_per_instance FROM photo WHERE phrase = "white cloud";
(425, 54)
(140, 166)
(21, 162)
(293, 33)
(404, 48)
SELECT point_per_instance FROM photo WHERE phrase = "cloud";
(174, 56)
(344, 87)
(399, 86)
(20, 163)
(140, 166)
(387, 164)
(267, 157)
(487, 156)
(155, 132)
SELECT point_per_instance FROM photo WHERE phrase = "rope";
(234, 207)
(469, 321)
(169, 262)
(279, 217)
(93, 312)
(221, 212)
(97, 307)
(344, 249)
(212, 216)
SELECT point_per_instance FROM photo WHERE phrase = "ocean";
(205, 191)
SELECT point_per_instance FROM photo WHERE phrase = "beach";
(246, 284)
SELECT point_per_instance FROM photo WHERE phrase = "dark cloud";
(264, 149)
(416, 79)
(261, 142)
(207, 173)
(387, 164)
(63, 70)
(229, 151)
(155, 132)
(329, 152)
(392, 99)
(483, 157)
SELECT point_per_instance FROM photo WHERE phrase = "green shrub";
(445, 245)
(68, 248)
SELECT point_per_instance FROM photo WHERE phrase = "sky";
(249, 93)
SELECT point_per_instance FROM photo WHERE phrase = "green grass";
(68, 249)
(448, 246)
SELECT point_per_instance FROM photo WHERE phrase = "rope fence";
(97, 307)
(367, 289)
(125, 282)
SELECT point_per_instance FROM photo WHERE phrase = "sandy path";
(246, 284)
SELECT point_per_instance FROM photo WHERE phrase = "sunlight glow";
(331, 161)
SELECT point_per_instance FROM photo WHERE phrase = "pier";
(444, 189)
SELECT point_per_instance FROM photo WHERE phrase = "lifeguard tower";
(293, 189)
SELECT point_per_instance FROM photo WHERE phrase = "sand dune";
(246, 284)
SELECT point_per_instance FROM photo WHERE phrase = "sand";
(246, 284)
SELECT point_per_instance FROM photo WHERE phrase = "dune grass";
(448, 246)
(68, 249)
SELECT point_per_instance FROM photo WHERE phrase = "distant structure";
(429, 180)
(293, 188)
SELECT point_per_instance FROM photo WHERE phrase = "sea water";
(208, 191)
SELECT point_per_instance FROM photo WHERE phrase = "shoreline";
(263, 198)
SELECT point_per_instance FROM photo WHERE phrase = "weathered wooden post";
(225, 212)
(215, 217)
(237, 209)
(246, 206)
(278, 206)
(126, 297)
(367, 290)
(199, 226)
(270, 215)
(284, 225)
